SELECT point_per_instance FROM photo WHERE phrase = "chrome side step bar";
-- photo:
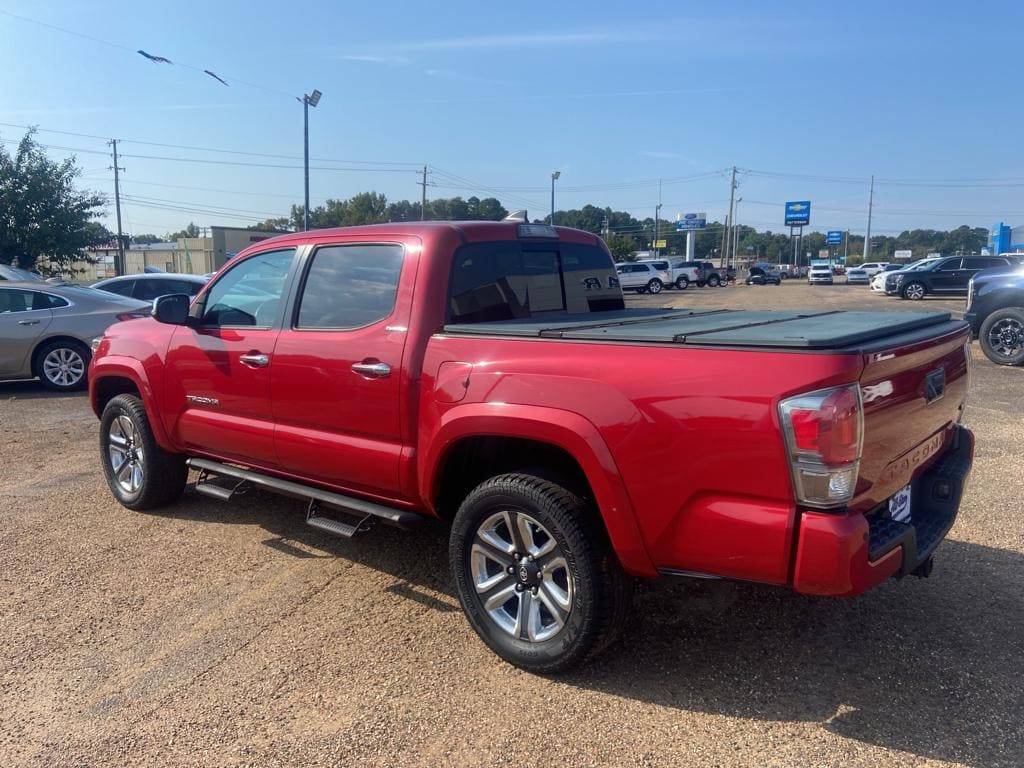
(368, 512)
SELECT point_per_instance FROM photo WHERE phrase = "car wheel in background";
(1002, 336)
(62, 365)
(535, 574)
(713, 281)
(654, 286)
(914, 291)
(140, 473)
(682, 282)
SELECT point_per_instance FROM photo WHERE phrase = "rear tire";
(574, 594)
(682, 282)
(63, 366)
(1002, 336)
(714, 281)
(655, 286)
(140, 473)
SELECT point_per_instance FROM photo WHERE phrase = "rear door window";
(350, 286)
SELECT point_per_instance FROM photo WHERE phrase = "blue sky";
(496, 96)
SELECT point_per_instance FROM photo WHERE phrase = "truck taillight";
(824, 432)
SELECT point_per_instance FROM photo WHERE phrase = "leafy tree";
(145, 239)
(280, 224)
(42, 215)
(190, 231)
(621, 246)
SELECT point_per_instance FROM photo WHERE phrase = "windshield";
(16, 273)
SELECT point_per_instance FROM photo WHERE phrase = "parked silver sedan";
(46, 330)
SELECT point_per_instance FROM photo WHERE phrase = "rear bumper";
(844, 555)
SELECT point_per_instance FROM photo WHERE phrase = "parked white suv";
(643, 276)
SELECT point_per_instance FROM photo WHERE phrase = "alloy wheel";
(64, 367)
(125, 454)
(521, 576)
(1006, 337)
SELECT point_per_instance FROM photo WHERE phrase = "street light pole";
(308, 100)
(554, 177)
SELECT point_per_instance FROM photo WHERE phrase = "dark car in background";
(995, 312)
(764, 276)
(946, 276)
(151, 286)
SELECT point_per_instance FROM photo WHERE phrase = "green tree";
(190, 231)
(280, 224)
(621, 246)
(145, 239)
(42, 215)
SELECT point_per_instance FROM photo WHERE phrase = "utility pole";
(867, 237)
(657, 217)
(119, 267)
(728, 221)
(423, 197)
(846, 246)
(308, 100)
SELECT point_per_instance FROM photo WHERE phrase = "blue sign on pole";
(833, 237)
(798, 213)
(689, 221)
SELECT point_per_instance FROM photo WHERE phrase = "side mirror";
(172, 310)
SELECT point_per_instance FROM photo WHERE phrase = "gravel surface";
(215, 634)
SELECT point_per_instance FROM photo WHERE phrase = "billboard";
(798, 213)
(833, 237)
(903, 255)
(689, 221)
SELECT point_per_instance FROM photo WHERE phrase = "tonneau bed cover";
(796, 329)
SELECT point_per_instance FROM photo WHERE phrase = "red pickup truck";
(487, 374)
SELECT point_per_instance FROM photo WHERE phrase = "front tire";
(535, 574)
(655, 286)
(682, 282)
(140, 473)
(1002, 336)
(62, 366)
(914, 291)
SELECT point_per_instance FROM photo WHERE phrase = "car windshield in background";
(922, 264)
(17, 273)
(508, 280)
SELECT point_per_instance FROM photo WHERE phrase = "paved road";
(209, 634)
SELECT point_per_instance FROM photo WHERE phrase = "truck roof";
(469, 231)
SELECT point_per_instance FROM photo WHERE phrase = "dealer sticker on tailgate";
(899, 505)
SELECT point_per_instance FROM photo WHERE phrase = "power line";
(84, 36)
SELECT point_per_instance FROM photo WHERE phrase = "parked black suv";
(948, 276)
(995, 311)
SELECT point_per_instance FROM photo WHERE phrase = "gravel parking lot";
(214, 634)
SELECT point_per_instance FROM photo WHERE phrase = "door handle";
(28, 322)
(255, 360)
(368, 370)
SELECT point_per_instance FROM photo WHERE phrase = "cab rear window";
(506, 280)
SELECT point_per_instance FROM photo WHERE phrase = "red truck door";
(337, 378)
(217, 375)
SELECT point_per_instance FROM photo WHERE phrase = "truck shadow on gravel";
(931, 667)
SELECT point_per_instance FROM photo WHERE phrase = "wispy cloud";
(373, 58)
(463, 77)
(527, 40)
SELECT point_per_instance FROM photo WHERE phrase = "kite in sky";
(158, 59)
(215, 77)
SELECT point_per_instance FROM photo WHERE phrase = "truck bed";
(790, 329)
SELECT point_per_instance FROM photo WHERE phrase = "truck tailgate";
(912, 394)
